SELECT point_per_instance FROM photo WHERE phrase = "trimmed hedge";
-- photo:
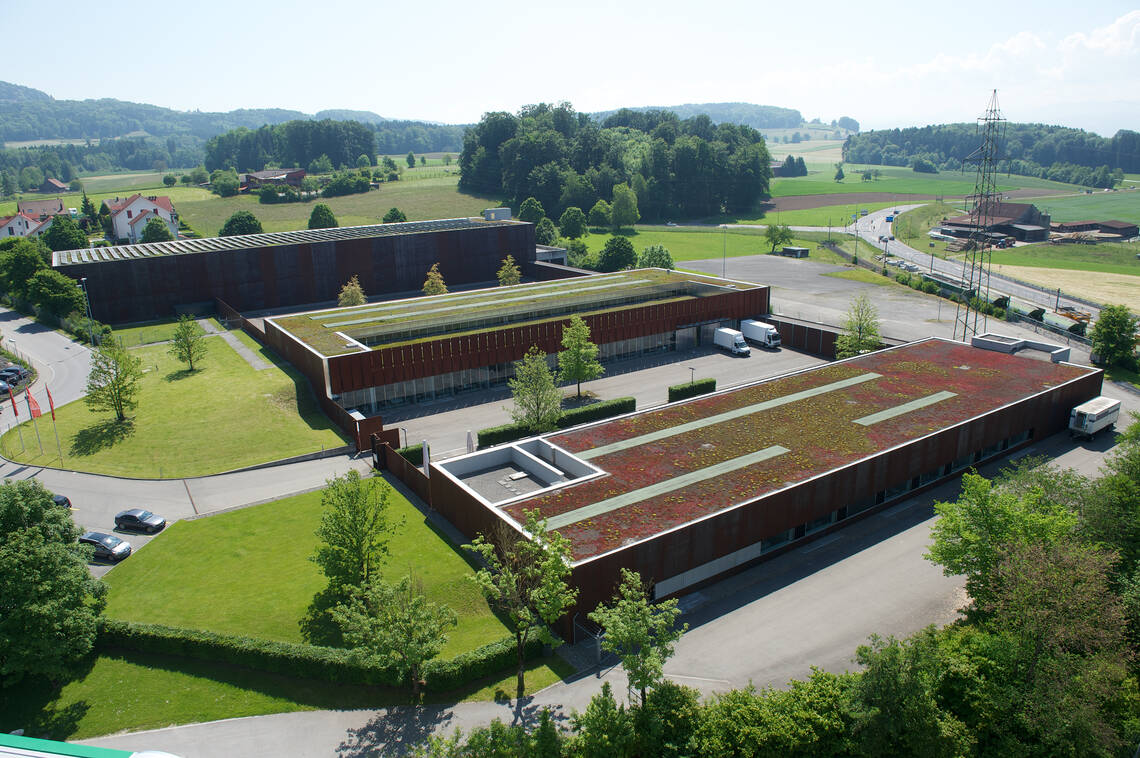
(595, 411)
(413, 454)
(691, 389)
(331, 664)
(498, 435)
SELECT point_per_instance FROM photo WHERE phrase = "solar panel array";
(246, 241)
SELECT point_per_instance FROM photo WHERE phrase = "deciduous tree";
(509, 273)
(396, 624)
(351, 293)
(578, 360)
(241, 222)
(639, 632)
(601, 214)
(545, 232)
(56, 292)
(394, 216)
(1113, 336)
(354, 530)
(860, 329)
(411, 159)
(531, 211)
(64, 234)
(624, 211)
(526, 579)
(156, 230)
(777, 235)
(113, 382)
(572, 224)
(655, 256)
(322, 217)
(188, 343)
(617, 254)
(838, 172)
(537, 401)
(434, 284)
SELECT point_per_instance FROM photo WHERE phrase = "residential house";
(20, 225)
(125, 214)
(41, 209)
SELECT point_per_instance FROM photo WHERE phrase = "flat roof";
(271, 239)
(687, 461)
(340, 331)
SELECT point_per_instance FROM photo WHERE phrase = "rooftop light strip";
(662, 488)
(455, 298)
(526, 297)
(645, 439)
(905, 408)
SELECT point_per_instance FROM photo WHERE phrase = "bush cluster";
(691, 389)
(347, 183)
(337, 665)
(413, 454)
(498, 435)
(270, 194)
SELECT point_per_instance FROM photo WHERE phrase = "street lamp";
(692, 375)
(724, 252)
(87, 302)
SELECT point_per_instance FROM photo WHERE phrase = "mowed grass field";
(704, 243)
(248, 572)
(1123, 205)
(225, 416)
(897, 180)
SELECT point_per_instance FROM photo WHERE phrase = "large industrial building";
(375, 356)
(282, 269)
(693, 490)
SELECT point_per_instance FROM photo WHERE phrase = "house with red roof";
(20, 225)
(129, 215)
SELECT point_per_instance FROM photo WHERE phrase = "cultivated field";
(1110, 289)
(1123, 205)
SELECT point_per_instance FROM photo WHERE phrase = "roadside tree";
(354, 530)
(509, 273)
(861, 329)
(1113, 336)
(538, 403)
(396, 625)
(241, 222)
(113, 382)
(189, 342)
(578, 361)
(531, 211)
(156, 230)
(617, 254)
(778, 235)
(64, 234)
(434, 284)
(526, 579)
(322, 217)
(572, 224)
(639, 632)
(351, 293)
(655, 256)
(394, 216)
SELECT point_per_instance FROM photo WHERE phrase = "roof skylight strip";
(905, 408)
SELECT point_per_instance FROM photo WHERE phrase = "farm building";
(384, 354)
(691, 491)
(1021, 221)
(1104, 230)
(282, 269)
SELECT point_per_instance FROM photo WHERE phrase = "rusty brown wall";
(387, 365)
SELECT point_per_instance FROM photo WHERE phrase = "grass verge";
(224, 416)
(1106, 257)
(145, 333)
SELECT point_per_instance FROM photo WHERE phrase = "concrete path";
(252, 358)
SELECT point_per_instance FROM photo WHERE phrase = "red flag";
(13, 399)
(51, 404)
(33, 406)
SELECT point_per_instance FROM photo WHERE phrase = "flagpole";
(54, 424)
(36, 426)
(16, 413)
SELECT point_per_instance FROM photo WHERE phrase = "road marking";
(899, 410)
(192, 505)
(629, 498)
(697, 678)
(747, 410)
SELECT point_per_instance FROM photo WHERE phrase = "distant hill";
(343, 114)
(756, 116)
(14, 93)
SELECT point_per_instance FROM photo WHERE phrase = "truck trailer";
(731, 340)
(1090, 417)
(764, 335)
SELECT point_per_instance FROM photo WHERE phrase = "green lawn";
(420, 200)
(178, 194)
(1123, 205)
(1108, 257)
(895, 180)
(222, 417)
(825, 215)
(248, 572)
(147, 332)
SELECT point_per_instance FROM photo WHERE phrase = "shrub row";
(691, 389)
(330, 664)
(413, 454)
(498, 435)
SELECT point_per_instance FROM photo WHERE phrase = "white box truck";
(1090, 417)
(764, 335)
(731, 340)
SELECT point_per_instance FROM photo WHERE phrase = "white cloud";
(1121, 38)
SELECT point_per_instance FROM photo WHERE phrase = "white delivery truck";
(1090, 417)
(732, 341)
(762, 334)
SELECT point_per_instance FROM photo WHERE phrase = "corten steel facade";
(685, 555)
(265, 271)
(501, 346)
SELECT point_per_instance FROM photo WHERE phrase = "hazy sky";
(885, 64)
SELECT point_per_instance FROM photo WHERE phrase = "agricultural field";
(1123, 205)
(696, 243)
(901, 181)
(184, 423)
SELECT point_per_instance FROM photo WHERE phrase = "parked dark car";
(14, 374)
(139, 520)
(108, 547)
(61, 500)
